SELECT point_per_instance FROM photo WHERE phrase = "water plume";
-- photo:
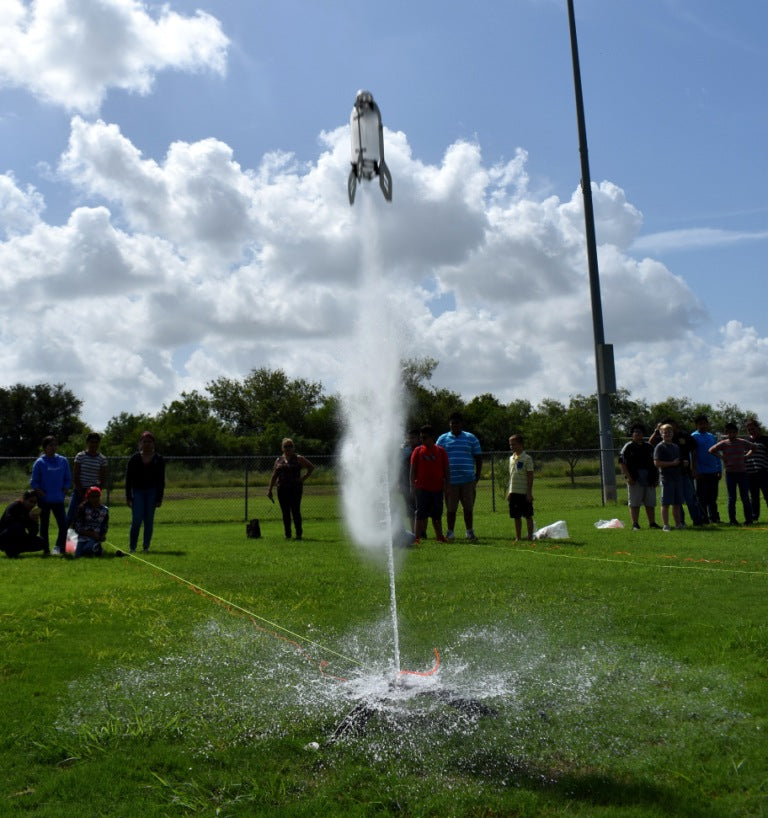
(372, 403)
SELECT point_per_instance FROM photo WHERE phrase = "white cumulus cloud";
(72, 52)
(173, 270)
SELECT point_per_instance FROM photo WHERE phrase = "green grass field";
(611, 674)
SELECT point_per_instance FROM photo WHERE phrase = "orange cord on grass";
(237, 610)
(427, 673)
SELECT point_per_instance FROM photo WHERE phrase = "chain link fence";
(233, 489)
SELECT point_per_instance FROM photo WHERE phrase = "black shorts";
(429, 504)
(519, 506)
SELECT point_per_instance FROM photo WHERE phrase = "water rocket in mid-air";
(367, 135)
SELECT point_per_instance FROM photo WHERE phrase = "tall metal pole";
(606, 378)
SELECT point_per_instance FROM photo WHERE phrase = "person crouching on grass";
(666, 458)
(19, 525)
(430, 477)
(520, 492)
(91, 524)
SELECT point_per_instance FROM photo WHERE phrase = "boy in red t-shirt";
(429, 477)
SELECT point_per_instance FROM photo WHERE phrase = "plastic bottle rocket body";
(367, 144)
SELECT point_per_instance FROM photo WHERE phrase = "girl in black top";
(144, 489)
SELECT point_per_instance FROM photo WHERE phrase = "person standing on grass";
(687, 447)
(734, 451)
(757, 467)
(641, 475)
(144, 489)
(406, 490)
(465, 459)
(90, 470)
(430, 476)
(91, 524)
(707, 472)
(51, 478)
(18, 527)
(666, 458)
(287, 474)
(520, 490)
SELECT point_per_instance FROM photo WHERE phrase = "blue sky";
(173, 200)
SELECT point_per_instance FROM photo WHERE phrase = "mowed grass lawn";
(610, 674)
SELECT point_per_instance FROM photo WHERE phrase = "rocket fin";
(352, 185)
(385, 180)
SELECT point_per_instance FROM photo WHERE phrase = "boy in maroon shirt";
(429, 477)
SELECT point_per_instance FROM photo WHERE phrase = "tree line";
(250, 416)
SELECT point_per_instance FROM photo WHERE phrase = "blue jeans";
(87, 547)
(706, 491)
(758, 481)
(74, 502)
(738, 480)
(691, 500)
(142, 512)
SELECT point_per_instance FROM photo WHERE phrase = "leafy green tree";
(626, 411)
(518, 413)
(681, 410)
(569, 430)
(493, 422)
(424, 403)
(265, 406)
(729, 412)
(323, 427)
(121, 436)
(29, 413)
(188, 427)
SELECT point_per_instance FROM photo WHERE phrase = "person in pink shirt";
(735, 450)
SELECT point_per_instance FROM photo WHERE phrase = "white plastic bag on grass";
(614, 523)
(72, 539)
(554, 531)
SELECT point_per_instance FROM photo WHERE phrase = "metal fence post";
(246, 489)
(493, 481)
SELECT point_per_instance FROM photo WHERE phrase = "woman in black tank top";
(287, 474)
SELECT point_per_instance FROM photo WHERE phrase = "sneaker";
(680, 527)
(666, 528)
(654, 525)
(449, 535)
(471, 536)
(635, 526)
(56, 551)
(440, 539)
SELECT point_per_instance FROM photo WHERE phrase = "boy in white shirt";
(520, 491)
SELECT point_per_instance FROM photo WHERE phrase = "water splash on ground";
(499, 696)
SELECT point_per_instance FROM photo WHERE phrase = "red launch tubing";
(432, 672)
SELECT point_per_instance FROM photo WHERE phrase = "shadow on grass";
(590, 786)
